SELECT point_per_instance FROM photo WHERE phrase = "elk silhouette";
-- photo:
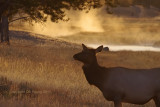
(106, 49)
(118, 84)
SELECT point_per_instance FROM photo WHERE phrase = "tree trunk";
(1, 29)
(4, 21)
(4, 29)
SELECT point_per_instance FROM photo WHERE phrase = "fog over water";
(126, 47)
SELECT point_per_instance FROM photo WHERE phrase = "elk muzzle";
(75, 57)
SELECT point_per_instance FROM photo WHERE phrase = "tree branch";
(19, 19)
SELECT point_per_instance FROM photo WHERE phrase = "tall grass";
(51, 68)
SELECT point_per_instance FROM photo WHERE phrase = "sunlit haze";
(135, 22)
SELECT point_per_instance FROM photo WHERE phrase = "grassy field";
(47, 67)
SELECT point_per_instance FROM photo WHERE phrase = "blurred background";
(131, 23)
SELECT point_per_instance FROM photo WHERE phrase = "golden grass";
(50, 66)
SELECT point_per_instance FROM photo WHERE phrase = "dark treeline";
(148, 3)
(145, 3)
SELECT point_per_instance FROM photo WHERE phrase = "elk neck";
(93, 64)
(94, 74)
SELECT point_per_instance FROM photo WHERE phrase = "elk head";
(88, 56)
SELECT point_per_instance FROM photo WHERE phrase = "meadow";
(46, 66)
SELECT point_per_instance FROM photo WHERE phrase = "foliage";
(39, 10)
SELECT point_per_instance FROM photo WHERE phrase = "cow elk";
(119, 84)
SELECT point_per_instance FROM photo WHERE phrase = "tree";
(38, 11)
(3, 21)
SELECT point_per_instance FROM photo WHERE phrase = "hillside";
(31, 39)
(46, 66)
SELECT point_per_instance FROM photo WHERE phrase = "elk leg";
(157, 101)
(117, 104)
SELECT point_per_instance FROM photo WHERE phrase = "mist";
(80, 21)
(128, 24)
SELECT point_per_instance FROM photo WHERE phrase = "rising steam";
(80, 21)
(135, 21)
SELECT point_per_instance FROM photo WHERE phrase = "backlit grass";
(47, 65)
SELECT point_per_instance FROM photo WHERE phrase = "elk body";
(118, 84)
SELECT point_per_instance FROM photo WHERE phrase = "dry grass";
(48, 66)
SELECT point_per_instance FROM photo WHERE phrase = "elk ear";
(84, 47)
(99, 49)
